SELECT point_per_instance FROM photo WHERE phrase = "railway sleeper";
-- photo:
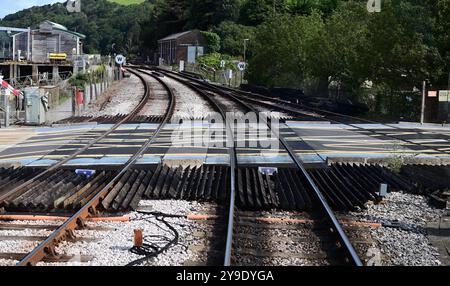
(345, 186)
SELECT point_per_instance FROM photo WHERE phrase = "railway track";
(312, 114)
(293, 239)
(320, 202)
(242, 236)
(92, 202)
(109, 120)
(23, 236)
(308, 113)
(7, 193)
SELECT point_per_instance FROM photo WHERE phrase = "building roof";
(11, 29)
(58, 27)
(55, 25)
(175, 36)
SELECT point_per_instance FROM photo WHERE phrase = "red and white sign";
(6, 85)
(432, 93)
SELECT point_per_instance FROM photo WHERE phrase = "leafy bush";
(79, 80)
(213, 41)
(213, 61)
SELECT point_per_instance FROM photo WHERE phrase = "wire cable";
(159, 243)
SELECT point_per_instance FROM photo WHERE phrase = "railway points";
(149, 168)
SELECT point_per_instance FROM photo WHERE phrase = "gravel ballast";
(124, 97)
(10, 246)
(159, 100)
(190, 105)
(112, 247)
(406, 244)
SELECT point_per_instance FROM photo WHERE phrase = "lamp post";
(448, 97)
(422, 112)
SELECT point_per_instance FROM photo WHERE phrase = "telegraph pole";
(424, 92)
(6, 103)
(245, 60)
(448, 97)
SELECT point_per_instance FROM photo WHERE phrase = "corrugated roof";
(175, 36)
(60, 27)
(56, 25)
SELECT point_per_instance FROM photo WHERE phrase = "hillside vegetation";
(127, 2)
(311, 44)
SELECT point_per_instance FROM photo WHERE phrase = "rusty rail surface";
(59, 164)
(77, 220)
(331, 116)
(233, 165)
(323, 204)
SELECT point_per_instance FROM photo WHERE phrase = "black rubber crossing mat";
(346, 187)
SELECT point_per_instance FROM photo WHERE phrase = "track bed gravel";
(123, 97)
(190, 105)
(406, 244)
(112, 247)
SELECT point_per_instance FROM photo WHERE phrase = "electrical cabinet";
(35, 108)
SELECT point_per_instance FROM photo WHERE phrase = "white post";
(424, 94)
(14, 47)
(448, 98)
(29, 45)
(6, 102)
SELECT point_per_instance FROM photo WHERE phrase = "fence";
(93, 91)
(218, 76)
(58, 90)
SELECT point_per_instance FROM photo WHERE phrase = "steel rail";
(315, 109)
(318, 194)
(65, 230)
(343, 238)
(293, 107)
(59, 164)
(233, 167)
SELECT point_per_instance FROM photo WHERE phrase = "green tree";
(347, 53)
(232, 36)
(441, 30)
(255, 12)
(205, 14)
(213, 41)
(279, 52)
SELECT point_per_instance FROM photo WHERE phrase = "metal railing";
(42, 79)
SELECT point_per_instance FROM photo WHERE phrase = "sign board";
(78, 63)
(230, 74)
(181, 66)
(444, 96)
(268, 171)
(120, 59)
(241, 66)
(222, 64)
(87, 173)
(432, 93)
